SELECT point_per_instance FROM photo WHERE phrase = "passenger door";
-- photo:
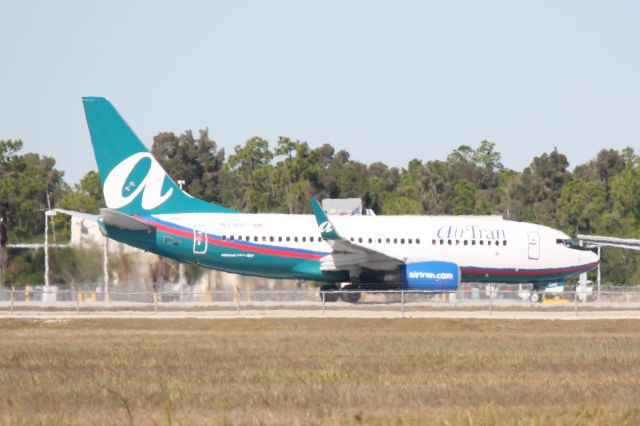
(534, 245)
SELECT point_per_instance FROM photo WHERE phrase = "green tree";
(297, 172)
(581, 205)
(86, 197)
(29, 184)
(535, 197)
(251, 172)
(625, 192)
(197, 162)
(465, 200)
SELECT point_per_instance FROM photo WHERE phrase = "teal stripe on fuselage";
(240, 257)
(271, 261)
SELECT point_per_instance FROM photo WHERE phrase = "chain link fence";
(484, 297)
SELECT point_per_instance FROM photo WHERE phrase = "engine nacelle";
(432, 276)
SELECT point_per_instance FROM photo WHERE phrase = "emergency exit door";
(534, 245)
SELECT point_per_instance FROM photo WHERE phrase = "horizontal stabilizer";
(124, 221)
(85, 216)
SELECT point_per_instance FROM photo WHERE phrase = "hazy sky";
(387, 81)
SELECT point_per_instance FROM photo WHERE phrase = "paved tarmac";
(342, 313)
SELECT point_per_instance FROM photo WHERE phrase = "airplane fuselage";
(487, 249)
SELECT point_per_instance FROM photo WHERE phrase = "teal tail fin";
(132, 180)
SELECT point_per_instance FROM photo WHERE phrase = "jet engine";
(432, 275)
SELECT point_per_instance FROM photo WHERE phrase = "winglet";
(327, 230)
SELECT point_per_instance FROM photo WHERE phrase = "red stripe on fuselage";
(234, 245)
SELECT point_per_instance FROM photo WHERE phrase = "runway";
(347, 313)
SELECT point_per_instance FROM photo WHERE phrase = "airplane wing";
(347, 255)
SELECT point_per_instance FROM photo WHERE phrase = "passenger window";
(311, 239)
(401, 240)
(473, 242)
(465, 242)
(224, 237)
(288, 239)
(497, 242)
(360, 239)
(304, 239)
(388, 241)
(351, 239)
(433, 242)
(418, 240)
(504, 242)
(409, 241)
(379, 240)
(481, 242)
(449, 242)
(295, 239)
(271, 239)
(457, 242)
(231, 237)
(264, 238)
(370, 241)
(395, 241)
(441, 242)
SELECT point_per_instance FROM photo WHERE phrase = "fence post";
(13, 297)
(77, 295)
(323, 293)
(575, 299)
(490, 299)
(402, 302)
(155, 301)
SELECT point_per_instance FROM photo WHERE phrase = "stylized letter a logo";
(151, 186)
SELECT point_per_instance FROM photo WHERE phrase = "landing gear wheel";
(535, 296)
(329, 291)
(351, 294)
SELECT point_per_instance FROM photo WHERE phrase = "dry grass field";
(320, 371)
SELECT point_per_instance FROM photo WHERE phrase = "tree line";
(601, 196)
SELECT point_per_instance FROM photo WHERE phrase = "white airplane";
(146, 209)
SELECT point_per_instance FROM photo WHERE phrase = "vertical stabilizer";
(132, 180)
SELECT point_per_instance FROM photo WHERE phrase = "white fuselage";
(475, 243)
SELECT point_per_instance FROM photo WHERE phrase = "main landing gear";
(328, 291)
(350, 293)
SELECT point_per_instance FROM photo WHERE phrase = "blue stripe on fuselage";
(244, 245)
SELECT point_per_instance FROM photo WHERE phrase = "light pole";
(181, 272)
(105, 268)
(47, 214)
